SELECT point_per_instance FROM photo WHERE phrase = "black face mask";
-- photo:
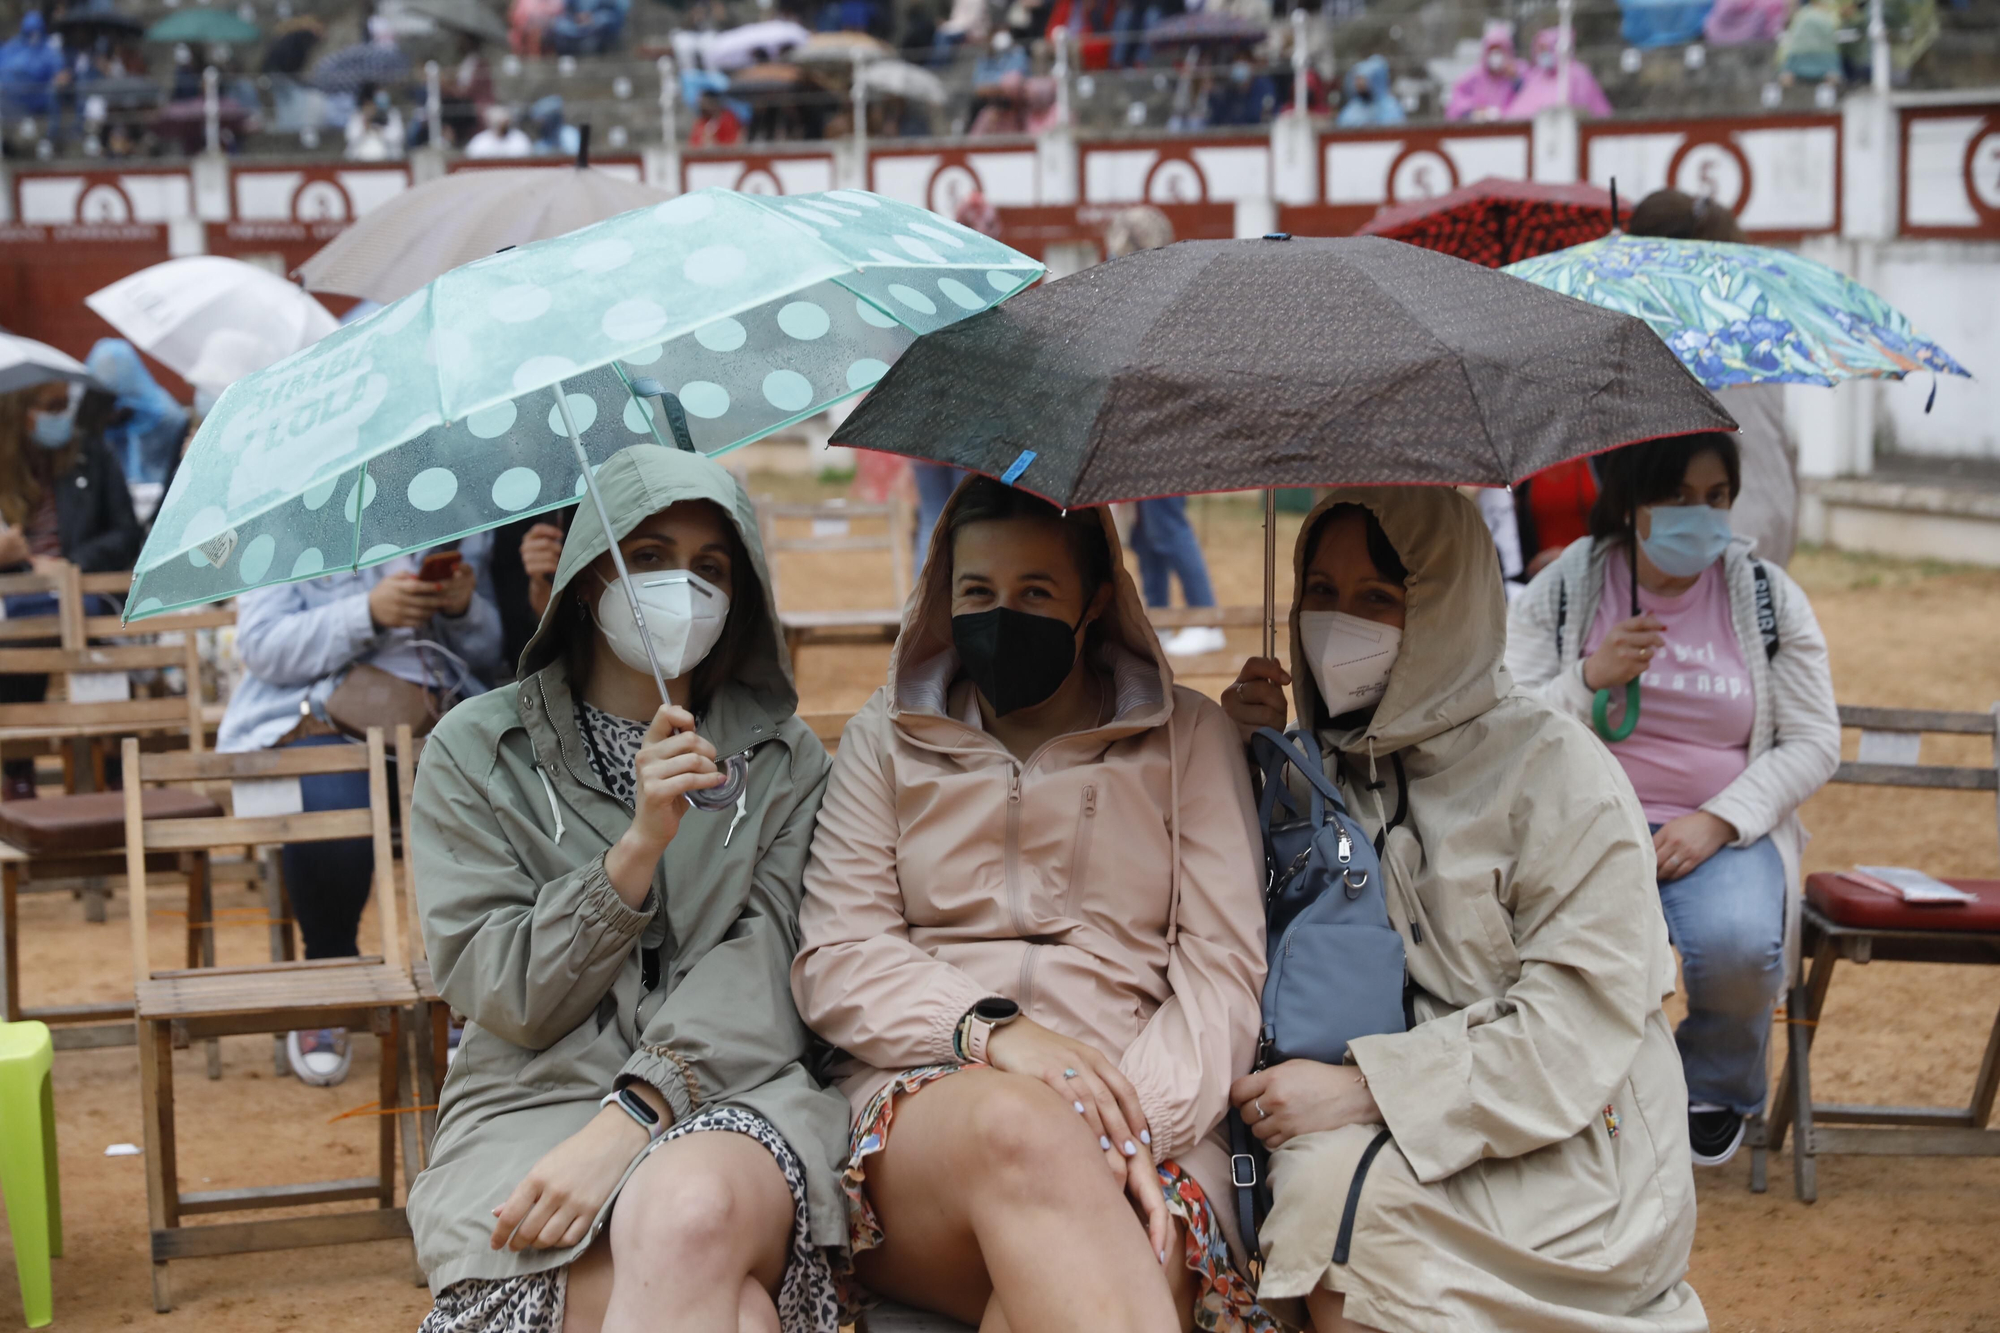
(1017, 660)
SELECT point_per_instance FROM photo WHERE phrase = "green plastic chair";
(28, 1162)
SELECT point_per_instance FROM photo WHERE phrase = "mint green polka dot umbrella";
(705, 322)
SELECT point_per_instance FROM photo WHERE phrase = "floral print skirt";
(533, 1302)
(1226, 1301)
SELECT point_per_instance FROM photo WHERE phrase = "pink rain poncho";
(1488, 86)
(1543, 85)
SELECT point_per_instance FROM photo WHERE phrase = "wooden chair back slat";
(1892, 744)
(186, 835)
(150, 714)
(409, 752)
(115, 583)
(54, 661)
(143, 835)
(250, 765)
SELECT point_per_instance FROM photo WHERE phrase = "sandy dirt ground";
(1891, 1245)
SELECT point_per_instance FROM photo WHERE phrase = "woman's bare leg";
(697, 1244)
(991, 1190)
(1325, 1307)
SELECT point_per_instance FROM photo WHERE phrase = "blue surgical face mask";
(1686, 539)
(53, 429)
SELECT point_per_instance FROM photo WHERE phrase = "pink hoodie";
(1480, 89)
(1542, 86)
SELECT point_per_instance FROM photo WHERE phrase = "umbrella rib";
(1485, 427)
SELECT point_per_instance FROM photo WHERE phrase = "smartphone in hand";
(439, 566)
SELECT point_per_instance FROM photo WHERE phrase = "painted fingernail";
(1077, 1105)
(1146, 1137)
(1104, 1142)
(1130, 1151)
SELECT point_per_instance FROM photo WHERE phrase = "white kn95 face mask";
(684, 614)
(1350, 657)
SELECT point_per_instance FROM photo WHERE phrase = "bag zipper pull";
(1346, 849)
(1265, 1037)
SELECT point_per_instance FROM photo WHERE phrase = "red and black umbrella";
(1498, 222)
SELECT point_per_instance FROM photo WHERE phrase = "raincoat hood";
(1450, 668)
(925, 664)
(1480, 89)
(639, 482)
(1375, 70)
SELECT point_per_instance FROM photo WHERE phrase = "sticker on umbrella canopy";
(436, 417)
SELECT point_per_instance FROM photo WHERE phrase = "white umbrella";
(899, 78)
(174, 311)
(751, 44)
(25, 362)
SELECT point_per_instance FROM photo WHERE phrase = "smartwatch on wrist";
(979, 1023)
(632, 1104)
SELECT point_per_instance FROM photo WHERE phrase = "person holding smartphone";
(420, 619)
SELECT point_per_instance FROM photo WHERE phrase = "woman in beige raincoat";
(1518, 1161)
(622, 958)
(1034, 927)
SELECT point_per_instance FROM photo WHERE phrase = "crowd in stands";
(78, 77)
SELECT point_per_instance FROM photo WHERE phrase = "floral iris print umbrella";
(704, 322)
(1743, 314)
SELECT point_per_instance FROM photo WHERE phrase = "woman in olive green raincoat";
(604, 938)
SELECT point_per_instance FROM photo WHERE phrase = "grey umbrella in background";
(467, 215)
(1241, 365)
(349, 68)
(25, 362)
(466, 16)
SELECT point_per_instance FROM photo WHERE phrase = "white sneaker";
(319, 1056)
(1194, 641)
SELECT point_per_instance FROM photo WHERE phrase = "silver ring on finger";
(1262, 1114)
(1069, 1073)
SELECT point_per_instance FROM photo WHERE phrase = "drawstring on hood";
(555, 806)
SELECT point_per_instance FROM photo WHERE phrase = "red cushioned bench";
(1844, 919)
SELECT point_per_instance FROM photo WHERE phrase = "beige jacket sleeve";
(1205, 1034)
(859, 980)
(1532, 1066)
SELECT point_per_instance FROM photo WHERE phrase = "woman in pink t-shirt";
(1736, 726)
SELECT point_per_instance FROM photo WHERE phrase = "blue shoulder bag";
(1337, 970)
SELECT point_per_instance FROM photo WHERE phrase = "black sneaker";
(1714, 1133)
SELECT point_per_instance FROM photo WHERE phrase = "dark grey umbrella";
(1241, 365)
(466, 16)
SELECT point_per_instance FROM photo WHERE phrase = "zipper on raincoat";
(1345, 1241)
(1010, 854)
(1079, 859)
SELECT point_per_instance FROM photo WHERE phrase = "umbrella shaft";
(1270, 573)
(611, 539)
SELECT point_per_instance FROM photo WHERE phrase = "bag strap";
(1562, 613)
(1312, 768)
(1767, 610)
(1246, 1156)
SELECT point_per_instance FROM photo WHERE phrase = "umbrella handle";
(1600, 708)
(737, 767)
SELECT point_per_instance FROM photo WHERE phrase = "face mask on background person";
(1240, 72)
(52, 430)
(1496, 62)
(1016, 659)
(1350, 657)
(1686, 539)
(684, 613)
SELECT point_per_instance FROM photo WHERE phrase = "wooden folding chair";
(833, 524)
(367, 994)
(1845, 919)
(76, 839)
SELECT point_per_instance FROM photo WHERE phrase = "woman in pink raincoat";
(1543, 85)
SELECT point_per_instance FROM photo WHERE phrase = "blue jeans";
(1727, 918)
(935, 483)
(328, 882)
(1167, 548)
